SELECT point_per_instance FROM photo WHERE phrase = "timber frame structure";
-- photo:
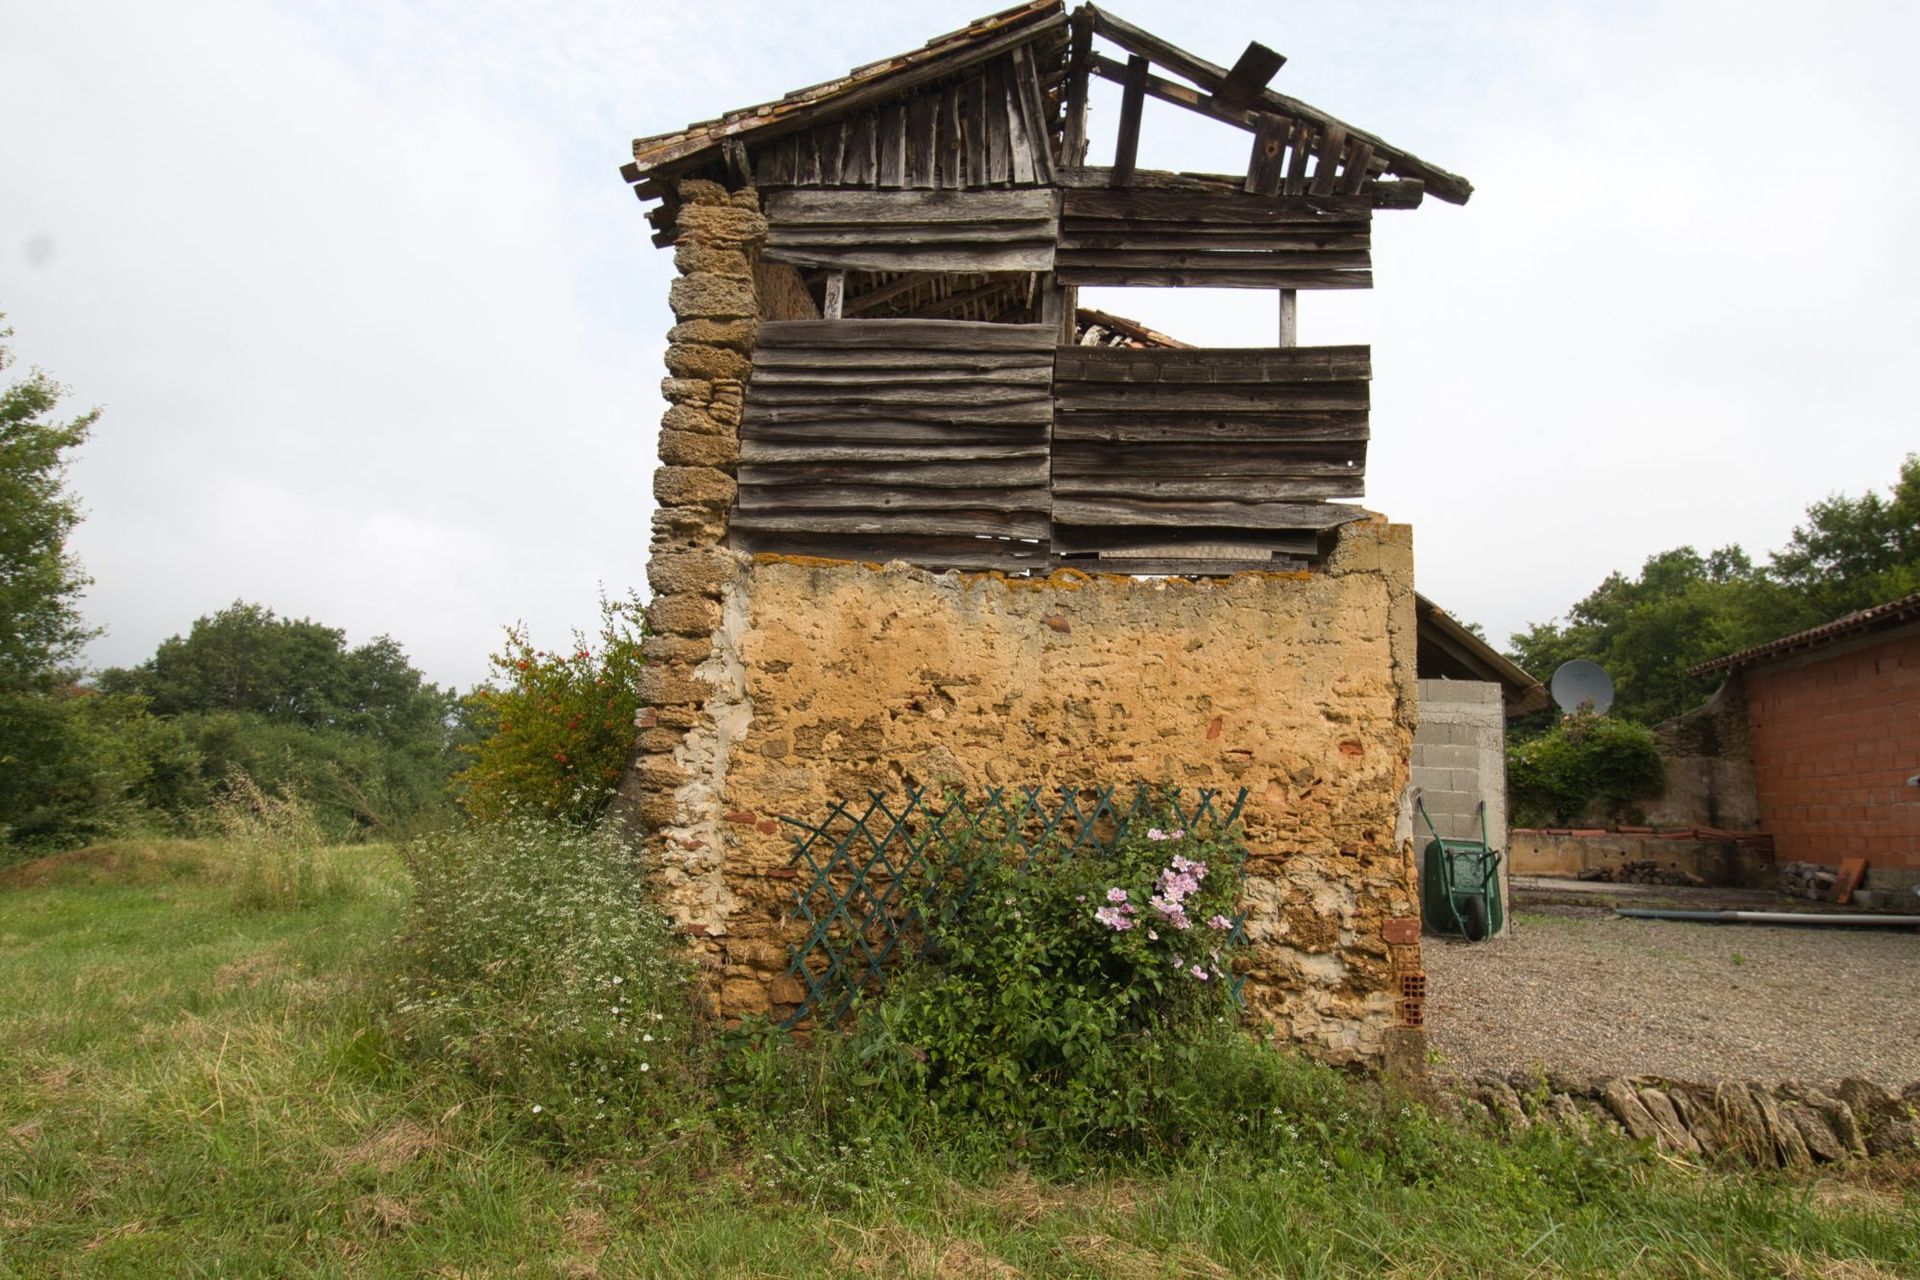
(928, 388)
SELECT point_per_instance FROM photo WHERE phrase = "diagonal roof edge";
(972, 43)
(1889, 614)
(1521, 691)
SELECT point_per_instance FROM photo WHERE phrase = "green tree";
(551, 733)
(359, 732)
(40, 579)
(1854, 553)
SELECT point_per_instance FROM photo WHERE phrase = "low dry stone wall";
(1791, 1125)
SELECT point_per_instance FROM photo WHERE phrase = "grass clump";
(280, 863)
(532, 962)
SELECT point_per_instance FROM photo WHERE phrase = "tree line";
(355, 732)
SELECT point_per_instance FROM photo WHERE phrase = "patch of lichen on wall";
(1298, 687)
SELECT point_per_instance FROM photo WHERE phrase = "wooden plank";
(1289, 279)
(836, 295)
(1233, 429)
(1034, 256)
(840, 208)
(942, 335)
(922, 112)
(1448, 186)
(833, 153)
(1021, 143)
(1116, 235)
(808, 172)
(1026, 91)
(1265, 397)
(966, 392)
(952, 143)
(1073, 144)
(1132, 100)
(933, 380)
(776, 361)
(1327, 166)
(1249, 75)
(994, 107)
(893, 146)
(1299, 145)
(1230, 206)
(752, 451)
(1374, 194)
(842, 430)
(880, 295)
(857, 169)
(1266, 168)
(1071, 539)
(979, 147)
(1289, 318)
(1239, 488)
(1190, 511)
(1214, 364)
(839, 497)
(1007, 555)
(1016, 418)
(1014, 524)
(1149, 256)
(1354, 176)
(1117, 463)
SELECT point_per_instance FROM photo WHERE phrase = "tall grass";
(184, 1091)
(279, 863)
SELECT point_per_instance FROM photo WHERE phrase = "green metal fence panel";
(870, 873)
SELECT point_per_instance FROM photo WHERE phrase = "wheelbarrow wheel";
(1473, 917)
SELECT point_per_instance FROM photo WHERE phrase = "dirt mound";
(119, 862)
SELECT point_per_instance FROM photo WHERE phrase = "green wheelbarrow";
(1460, 882)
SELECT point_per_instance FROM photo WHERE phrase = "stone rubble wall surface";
(1788, 1125)
(1295, 686)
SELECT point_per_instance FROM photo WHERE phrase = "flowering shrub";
(1586, 765)
(1065, 997)
(555, 730)
(532, 963)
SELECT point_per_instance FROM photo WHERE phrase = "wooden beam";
(1450, 187)
(1267, 166)
(836, 296)
(1178, 94)
(887, 292)
(1073, 146)
(1289, 318)
(1127, 150)
(1249, 76)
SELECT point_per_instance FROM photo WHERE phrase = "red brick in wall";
(1834, 742)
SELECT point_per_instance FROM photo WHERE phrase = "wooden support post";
(1132, 99)
(1247, 81)
(1289, 317)
(1073, 144)
(836, 296)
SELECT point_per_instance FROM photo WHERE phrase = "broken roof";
(1879, 617)
(1217, 91)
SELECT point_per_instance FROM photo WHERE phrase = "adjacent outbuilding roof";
(1447, 650)
(1879, 617)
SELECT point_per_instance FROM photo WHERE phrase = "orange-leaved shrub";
(552, 731)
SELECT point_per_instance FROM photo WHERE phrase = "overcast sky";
(377, 326)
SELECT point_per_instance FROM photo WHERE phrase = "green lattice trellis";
(868, 876)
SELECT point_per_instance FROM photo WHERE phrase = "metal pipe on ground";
(1819, 918)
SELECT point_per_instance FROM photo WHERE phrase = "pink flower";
(1113, 919)
(1198, 972)
(1219, 922)
(1116, 895)
(1156, 833)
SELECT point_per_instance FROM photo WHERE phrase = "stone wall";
(1459, 762)
(1708, 754)
(1613, 855)
(777, 685)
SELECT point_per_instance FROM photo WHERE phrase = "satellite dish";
(1580, 684)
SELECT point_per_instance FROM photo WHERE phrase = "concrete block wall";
(1460, 759)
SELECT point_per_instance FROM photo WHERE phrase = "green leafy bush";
(554, 731)
(1584, 760)
(533, 964)
(1066, 999)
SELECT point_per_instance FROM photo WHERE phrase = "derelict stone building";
(925, 521)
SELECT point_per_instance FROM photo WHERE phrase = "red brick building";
(1835, 719)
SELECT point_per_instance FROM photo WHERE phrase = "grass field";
(187, 1088)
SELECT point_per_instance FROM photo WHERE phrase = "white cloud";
(378, 328)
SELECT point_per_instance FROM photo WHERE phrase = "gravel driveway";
(1583, 991)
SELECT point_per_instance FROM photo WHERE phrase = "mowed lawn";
(190, 1089)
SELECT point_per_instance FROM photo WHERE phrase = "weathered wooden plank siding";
(1131, 237)
(1198, 458)
(925, 440)
(959, 231)
(994, 128)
